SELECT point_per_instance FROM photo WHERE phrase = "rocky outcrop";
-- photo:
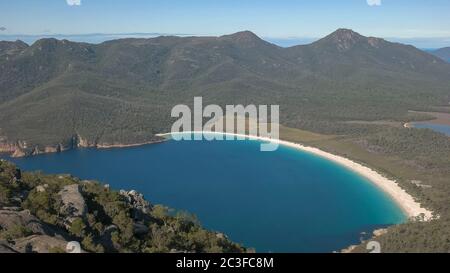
(73, 205)
(22, 149)
(41, 188)
(141, 207)
(66, 214)
(139, 212)
(82, 142)
(40, 244)
(380, 232)
(11, 219)
(36, 236)
(16, 149)
(140, 229)
(5, 248)
(18, 153)
(8, 148)
(37, 150)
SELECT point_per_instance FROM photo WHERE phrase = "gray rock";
(12, 208)
(44, 239)
(40, 244)
(73, 204)
(111, 228)
(106, 240)
(221, 236)
(12, 219)
(5, 248)
(40, 188)
(141, 207)
(140, 229)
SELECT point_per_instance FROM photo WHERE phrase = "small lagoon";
(440, 128)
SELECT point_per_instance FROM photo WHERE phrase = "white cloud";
(73, 2)
(374, 2)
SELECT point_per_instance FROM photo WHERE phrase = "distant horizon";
(95, 38)
(415, 22)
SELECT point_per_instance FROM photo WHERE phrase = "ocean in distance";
(282, 201)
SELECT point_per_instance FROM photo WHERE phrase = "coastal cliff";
(22, 148)
(43, 213)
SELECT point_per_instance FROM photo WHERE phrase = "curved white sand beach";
(404, 200)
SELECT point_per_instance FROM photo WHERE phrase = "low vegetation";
(111, 222)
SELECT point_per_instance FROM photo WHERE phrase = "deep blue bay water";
(282, 201)
(441, 128)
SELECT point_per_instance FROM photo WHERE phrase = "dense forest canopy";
(56, 92)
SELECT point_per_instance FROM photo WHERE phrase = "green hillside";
(443, 53)
(58, 94)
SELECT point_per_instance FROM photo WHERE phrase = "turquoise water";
(445, 129)
(282, 201)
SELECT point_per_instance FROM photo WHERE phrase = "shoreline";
(17, 152)
(114, 146)
(405, 201)
(440, 118)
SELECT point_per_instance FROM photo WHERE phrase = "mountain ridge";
(443, 53)
(120, 92)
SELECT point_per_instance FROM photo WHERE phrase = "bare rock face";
(40, 237)
(73, 204)
(141, 207)
(16, 149)
(379, 232)
(10, 219)
(140, 229)
(41, 188)
(18, 153)
(5, 248)
(40, 244)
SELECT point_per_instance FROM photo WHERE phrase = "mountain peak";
(244, 34)
(10, 48)
(244, 38)
(345, 39)
(45, 43)
(17, 43)
(344, 33)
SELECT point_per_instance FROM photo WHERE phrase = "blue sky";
(267, 18)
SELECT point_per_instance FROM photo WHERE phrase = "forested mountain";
(56, 94)
(443, 53)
